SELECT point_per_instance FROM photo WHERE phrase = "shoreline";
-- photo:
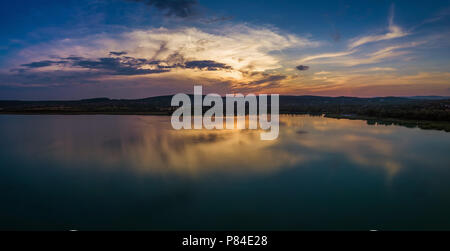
(421, 124)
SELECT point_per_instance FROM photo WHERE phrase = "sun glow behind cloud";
(232, 57)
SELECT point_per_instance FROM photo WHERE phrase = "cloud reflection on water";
(149, 144)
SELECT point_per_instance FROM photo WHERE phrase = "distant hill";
(431, 108)
(430, 97)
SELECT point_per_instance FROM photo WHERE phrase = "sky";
(77, 49)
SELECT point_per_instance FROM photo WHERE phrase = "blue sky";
(61, 49)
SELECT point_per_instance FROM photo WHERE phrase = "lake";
(100, 172)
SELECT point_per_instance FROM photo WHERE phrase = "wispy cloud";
(441, 15)
(326, 55)
(348, 58)
(374, 84)
(376, 69)
(394, 31)
(322, 73)
(380, 55)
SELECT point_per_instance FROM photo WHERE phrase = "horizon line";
(169, 95)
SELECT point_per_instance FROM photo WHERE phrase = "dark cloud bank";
(125, 65)
(117, 64)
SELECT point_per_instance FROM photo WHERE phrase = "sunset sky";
(141, 48)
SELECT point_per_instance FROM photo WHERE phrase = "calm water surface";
(136, 173)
